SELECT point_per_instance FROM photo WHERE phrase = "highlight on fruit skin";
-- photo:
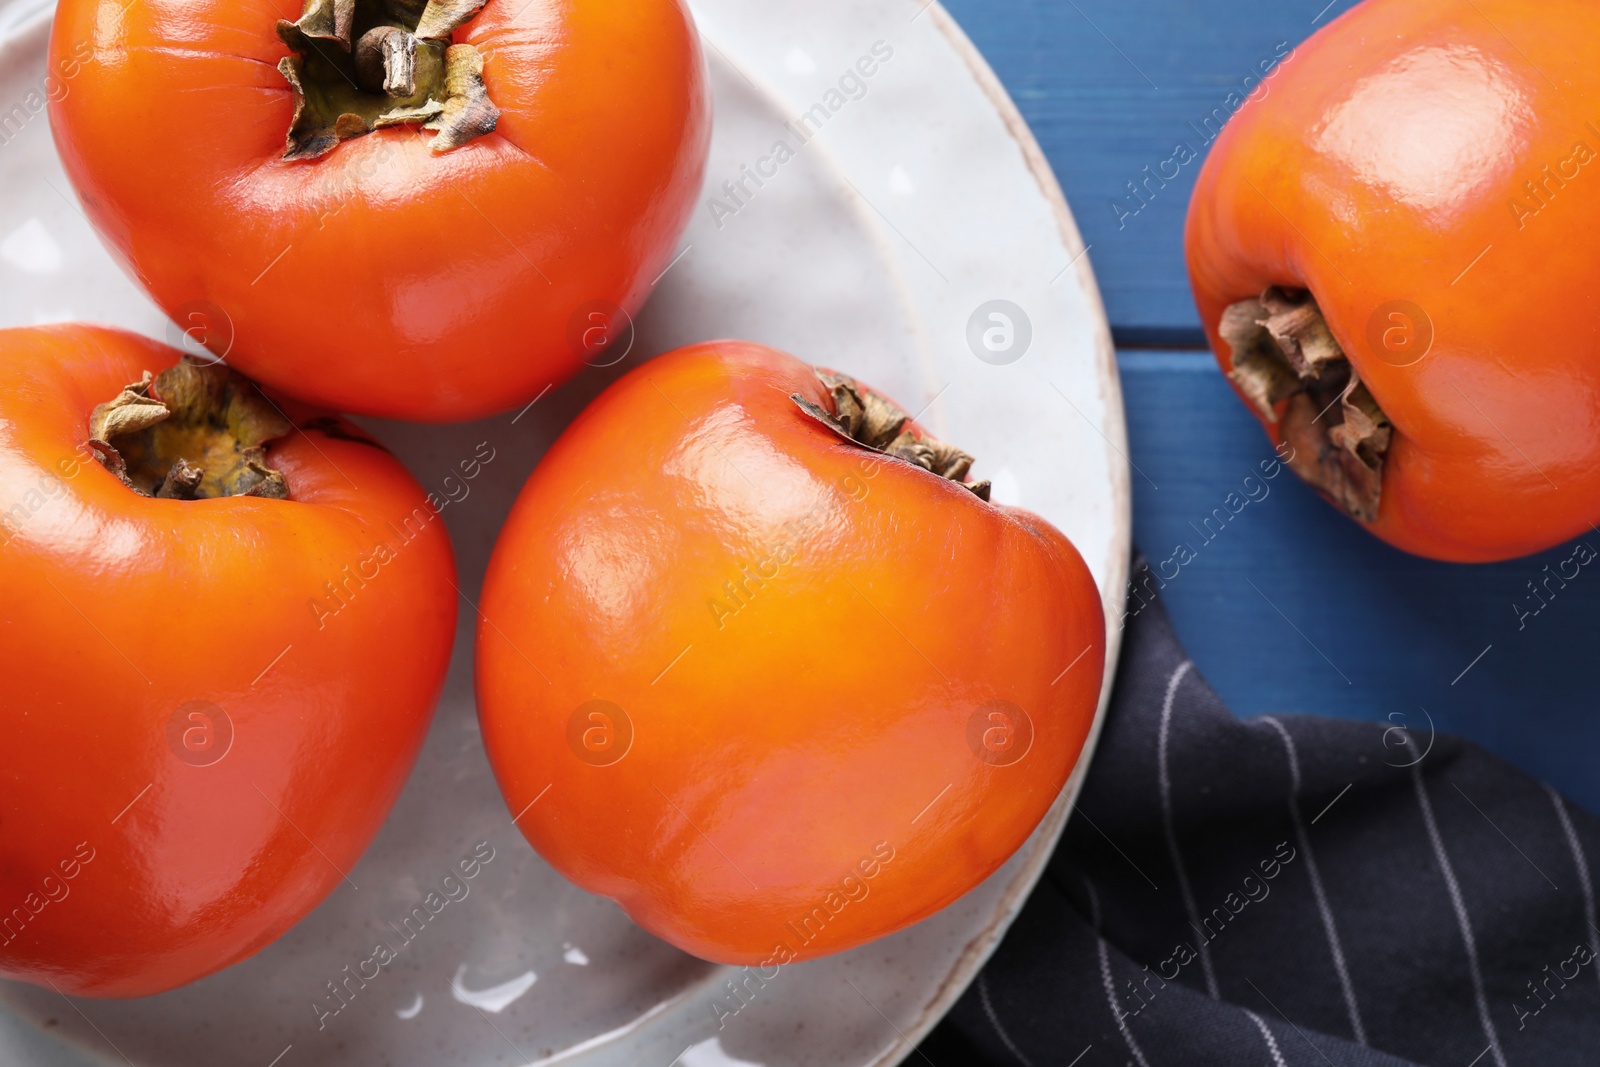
(759, 660)
(1381, 254)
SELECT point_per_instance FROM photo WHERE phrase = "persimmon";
(224, 633)
(417, 210)
(760, 661)
(1385, 255)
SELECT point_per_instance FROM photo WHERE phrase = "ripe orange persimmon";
(1387, 254)
(222, 633)
(758, 662)
(424, 211)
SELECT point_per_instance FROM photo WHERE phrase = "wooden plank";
(1112, 87)
(1287, 606)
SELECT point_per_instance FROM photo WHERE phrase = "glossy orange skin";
(116, 610)
(1386, 157)
(411, 285)
(781, 752)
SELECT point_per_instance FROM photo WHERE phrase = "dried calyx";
(1284, 351)
(190, 433)
(362, 65)
(871, 421)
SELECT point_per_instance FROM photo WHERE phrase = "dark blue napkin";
(1292, 891)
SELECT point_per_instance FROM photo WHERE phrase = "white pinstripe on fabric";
(994, 1019)
(1462, 919)
(1165, 781)
(1329, 928)
(1580, 861)
(1105, 977)
(1272, 1042)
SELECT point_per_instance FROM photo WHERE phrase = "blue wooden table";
(1290, 607)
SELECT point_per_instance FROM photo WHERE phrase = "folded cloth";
(1292, 891)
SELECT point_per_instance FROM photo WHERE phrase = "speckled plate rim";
(1042, 844)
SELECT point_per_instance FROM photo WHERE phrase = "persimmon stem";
(193, 432)
(363, 65)
(1289, 366)
(872, 421)
(386, 61)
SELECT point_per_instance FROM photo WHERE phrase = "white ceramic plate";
(920, 199)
